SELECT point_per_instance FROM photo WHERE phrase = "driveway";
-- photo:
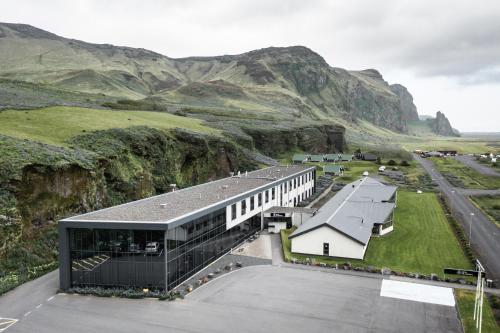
(485, 239)
(470, 161)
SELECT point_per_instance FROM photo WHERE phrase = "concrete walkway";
(277, 250)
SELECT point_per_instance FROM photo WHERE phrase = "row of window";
(292, 184)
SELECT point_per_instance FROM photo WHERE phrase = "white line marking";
(26, 314)
(50, 298)
(39, 306)
(5, 323)
(417, 292)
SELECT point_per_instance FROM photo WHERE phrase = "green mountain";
(290, 82)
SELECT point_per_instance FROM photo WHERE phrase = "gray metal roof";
(279, 209)
(182, 203)
(354, 210)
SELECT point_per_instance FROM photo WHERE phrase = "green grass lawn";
(490, 205)
(422, 240)
(466, 176)
(465, 300)
(55, 125)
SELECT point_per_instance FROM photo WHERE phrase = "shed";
(369, 157)
(337, 170)
(299, 158)
(317, 158)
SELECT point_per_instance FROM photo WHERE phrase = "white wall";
(287, 200)
(386, 230)
(340, 245)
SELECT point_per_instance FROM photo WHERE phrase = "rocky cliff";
(441, 125)
(292, 81)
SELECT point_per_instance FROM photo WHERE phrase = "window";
(259, 200)
(243, 207)
(252, 203)
(326, 249)
(285, 187)
(273, 194)
(233, 211)
(295, 183)
(267, 196)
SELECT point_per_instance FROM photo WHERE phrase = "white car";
(152, 247)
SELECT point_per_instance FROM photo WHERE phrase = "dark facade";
(161, 248)
(152, 258)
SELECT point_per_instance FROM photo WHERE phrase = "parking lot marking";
(27, 314)
(50, 298)
(6, 323)
(39, 306)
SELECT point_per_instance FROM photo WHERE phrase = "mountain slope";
(292, 81)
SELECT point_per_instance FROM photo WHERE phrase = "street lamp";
(470, 227)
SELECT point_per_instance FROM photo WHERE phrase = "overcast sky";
(447, 53)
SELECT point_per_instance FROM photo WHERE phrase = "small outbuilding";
(334, 169)
(299, 158)
(317, 158)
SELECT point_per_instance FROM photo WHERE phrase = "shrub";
(391, 162)
(404, 163)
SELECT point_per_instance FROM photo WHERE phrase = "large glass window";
(123, 258)
(190, 254)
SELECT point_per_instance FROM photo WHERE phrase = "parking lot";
(253, 299)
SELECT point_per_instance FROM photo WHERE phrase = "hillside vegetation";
(55, 125)
(293, 81)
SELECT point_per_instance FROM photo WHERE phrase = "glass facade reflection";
(125, 258)
(139, 258)
(193, 246)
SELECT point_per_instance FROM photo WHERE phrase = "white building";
(344, 225)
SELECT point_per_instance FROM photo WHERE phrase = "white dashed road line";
(27, 314)
(50, 298)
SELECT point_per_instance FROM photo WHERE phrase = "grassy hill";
(294, 81)
(56, 125)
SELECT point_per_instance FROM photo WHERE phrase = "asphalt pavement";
(264, 298)
(485, 240)
(481, 168)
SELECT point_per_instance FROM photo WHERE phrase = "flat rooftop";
(192, 199)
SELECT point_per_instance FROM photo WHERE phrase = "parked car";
(134, 248)
(152, 248)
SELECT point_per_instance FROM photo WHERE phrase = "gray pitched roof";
(354, 210)
(192, 199)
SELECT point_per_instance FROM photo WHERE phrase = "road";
(485, 239)
(481, 168)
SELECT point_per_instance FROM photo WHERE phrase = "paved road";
(481, 168)
(468, 192)
(485, 239)
(254, 299)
